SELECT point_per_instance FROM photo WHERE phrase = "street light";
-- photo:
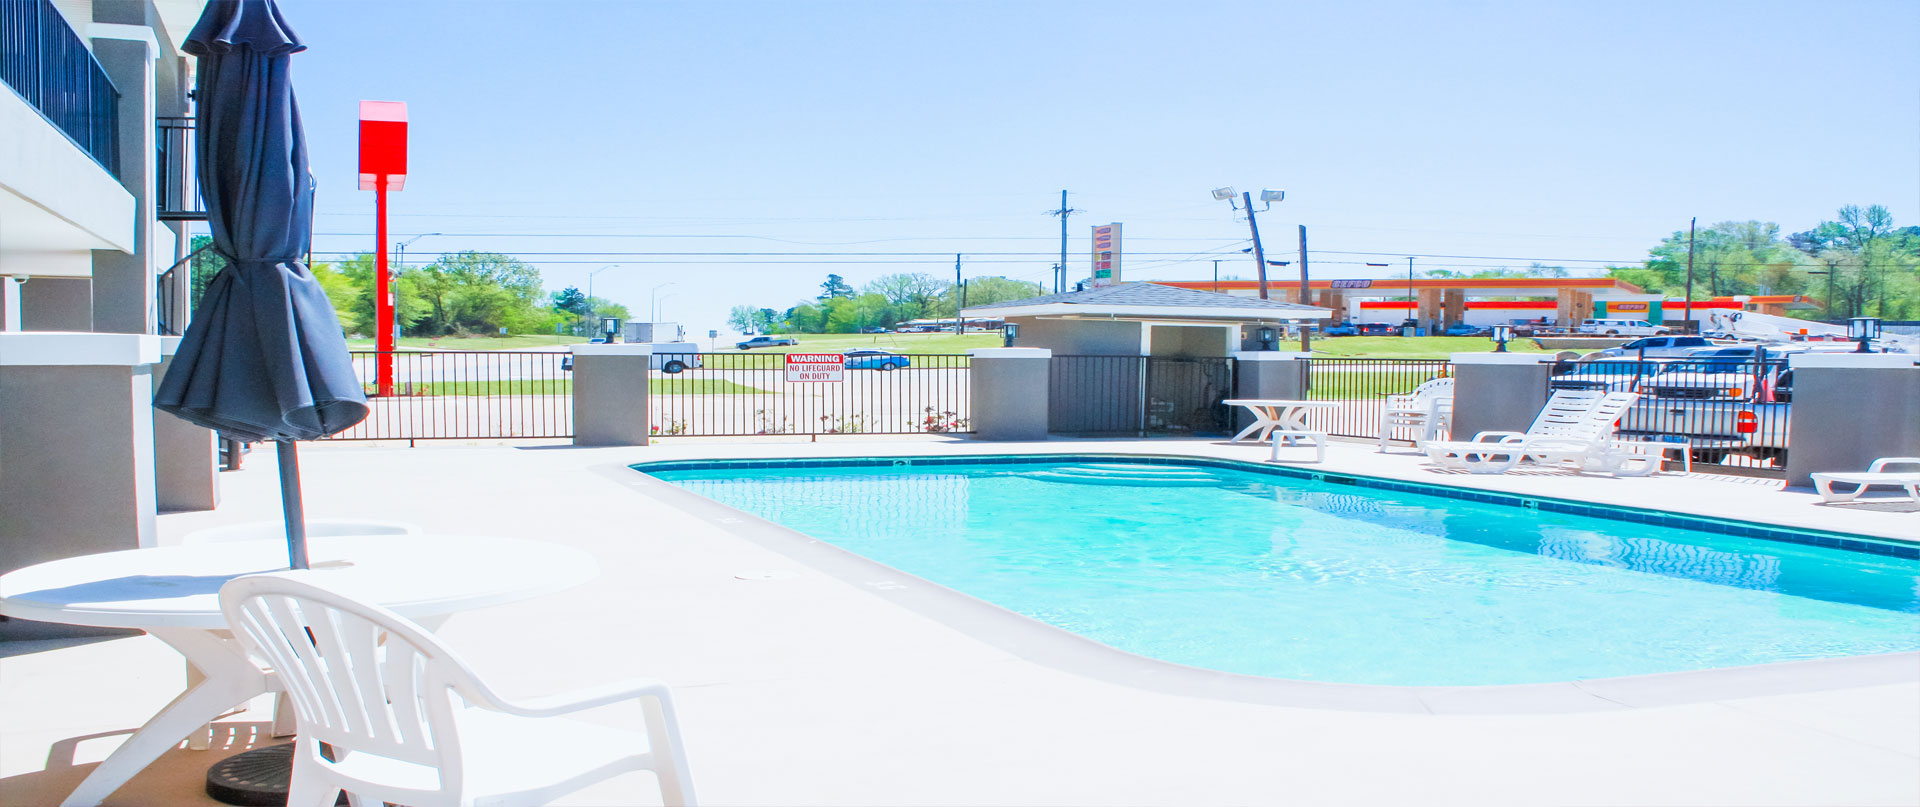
(591, 308)
(399, 264)
(663, 299)
(653, 305)
(1268, 197)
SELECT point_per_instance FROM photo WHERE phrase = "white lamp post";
(399, 263)
(591, 308)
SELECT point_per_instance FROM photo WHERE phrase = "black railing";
(1729, 412)
(1138, 395)
(467, 395)
(176, 184)
(731, 394)
(1362, 387)
(44, 61)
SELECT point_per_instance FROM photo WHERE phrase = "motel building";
(1439, 303)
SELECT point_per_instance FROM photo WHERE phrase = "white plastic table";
(1275, 414)
(173, 593)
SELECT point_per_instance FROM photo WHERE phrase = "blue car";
(1463, 329)
(873, 359)
(1343, 329)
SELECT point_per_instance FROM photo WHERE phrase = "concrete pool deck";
(797, 686)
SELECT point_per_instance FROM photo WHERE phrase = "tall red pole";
(382, 295)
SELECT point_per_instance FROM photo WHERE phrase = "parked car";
(1529, 327)
(1463, 329)
(1343, 329)
(1659, 347)
(765, 341)
(1377, 329)
(1622, 327)
(874, 329)
(875, 359)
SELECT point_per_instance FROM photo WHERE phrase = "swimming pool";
(1245, 570)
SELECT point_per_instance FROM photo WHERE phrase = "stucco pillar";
(1563, 309)
(186, 458)
(1850, 409)
(610, 390)
(123, 283)
(1497, 391)
(1010, 392)
(76, 445)
(1272, 374)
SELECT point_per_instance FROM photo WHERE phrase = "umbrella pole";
(290, 504)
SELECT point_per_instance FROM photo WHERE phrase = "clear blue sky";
(1528, 130)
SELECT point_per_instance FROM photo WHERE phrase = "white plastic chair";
(1574, 428)
(277, 531)
(1426, 411)
(1876, 474)
(405, 721)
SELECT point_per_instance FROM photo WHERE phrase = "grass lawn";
(477, 342)
(564, 386)
(1406, 347)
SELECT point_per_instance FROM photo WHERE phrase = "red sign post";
(383, 167)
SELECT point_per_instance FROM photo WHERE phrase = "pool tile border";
(1660, 518)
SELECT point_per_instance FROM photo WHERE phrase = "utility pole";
(1060, 272)
(1413, 300)
(1694, 222)
(1216, 275)
(1306, 335)
(1259, 255)
(960, 289)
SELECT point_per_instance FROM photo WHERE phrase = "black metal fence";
(732, 394)
(1730, 411)
(44, 61)
(1362, 387)
(1139, 395)
(466, 395)
(176, 181)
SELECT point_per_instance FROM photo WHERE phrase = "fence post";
(1009, 395)
(186, 461)
(1850, 409)
(610, 391)
(1498, 391)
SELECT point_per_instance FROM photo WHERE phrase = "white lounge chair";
(407, 722)
(1877, 473)
(1426, 412)
(1574, 428)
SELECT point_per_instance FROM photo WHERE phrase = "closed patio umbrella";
(264, 358)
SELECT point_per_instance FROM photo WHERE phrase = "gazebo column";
(1454, 307)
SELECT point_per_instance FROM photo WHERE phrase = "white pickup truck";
(1722, 405)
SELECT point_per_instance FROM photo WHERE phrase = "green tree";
(741, 319)
(571, 300)
(990, 290)
(835, 287)
(911, 295)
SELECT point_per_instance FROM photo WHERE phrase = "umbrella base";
(256, 778)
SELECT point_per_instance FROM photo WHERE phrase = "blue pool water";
(1252, 573)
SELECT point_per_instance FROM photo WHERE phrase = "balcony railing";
(44, 61)
(178, 184)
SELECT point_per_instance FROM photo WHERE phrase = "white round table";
(173, 593)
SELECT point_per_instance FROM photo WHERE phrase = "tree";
(572, 301)
(990, 290)
(740, 318)
(911, 295)
(835, 287)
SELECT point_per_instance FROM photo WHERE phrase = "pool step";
(1125, 474)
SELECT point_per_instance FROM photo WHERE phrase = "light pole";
(653, 305)
(591, 308)
(400, 265)
(1267, 197)
(662, 301)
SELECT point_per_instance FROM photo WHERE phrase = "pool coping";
(1041, 643)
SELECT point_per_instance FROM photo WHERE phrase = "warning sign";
(816, 366)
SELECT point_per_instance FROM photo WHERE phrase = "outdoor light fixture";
(1266, 338)
(1007, 333)
(1224, 194)
(1864, 330)
(1501, 333)
(609, 325)
(1267, 195)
